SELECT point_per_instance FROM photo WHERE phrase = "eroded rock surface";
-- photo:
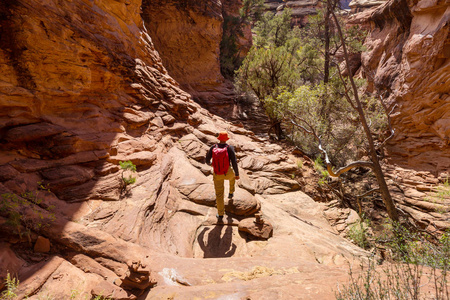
(408, 63)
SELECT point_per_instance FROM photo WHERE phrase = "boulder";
(107, 290)
(42, 245)
(258, 229)
(243, 203)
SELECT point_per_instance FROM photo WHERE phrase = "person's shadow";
(217, 245)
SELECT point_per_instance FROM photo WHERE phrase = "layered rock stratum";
(408, 62)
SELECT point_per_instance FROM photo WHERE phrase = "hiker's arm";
(209, 156)
(233, 160)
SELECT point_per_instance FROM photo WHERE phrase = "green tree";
(271, 64)
(338, 117)
(273, 29)
(302, 86)
(251, 11)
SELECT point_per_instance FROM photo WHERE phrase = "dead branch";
(339, 172)
(368, 193)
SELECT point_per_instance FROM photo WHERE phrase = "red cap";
(223, 136)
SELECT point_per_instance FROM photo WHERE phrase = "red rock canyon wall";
(408, 61)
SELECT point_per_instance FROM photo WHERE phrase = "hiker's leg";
(219, 187)
(231, 177)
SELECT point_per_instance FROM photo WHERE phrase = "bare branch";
(368, 193)
(355, 164)
(339, 172)
(387, 139)
(310, 131)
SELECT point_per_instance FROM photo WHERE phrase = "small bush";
(419, 262)
(11, 285)
(299, 164)
(13, 206)
(127, 166)
(358, 234)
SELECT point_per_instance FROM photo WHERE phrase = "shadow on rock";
(217, 245)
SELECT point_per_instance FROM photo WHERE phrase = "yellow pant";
(220, 188)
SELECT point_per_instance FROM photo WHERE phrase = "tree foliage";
(298, 75)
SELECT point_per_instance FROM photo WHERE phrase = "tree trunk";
(385, 194)
(326, 67)
(276, 126)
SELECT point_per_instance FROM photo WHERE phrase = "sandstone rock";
(193, 147)
(7, 172)
(35, 276)
(108, 290)
(243, 203)
(262, 230)
(118, 268)
(9, 263)
(89, 265)
(65, 281)
(142, 158)
(66, 176)
(190, 181)
(300, 9)
(413, 193)
(42, 245)
(32, 132)
(189, 46)
(361, 5)
(402, 35)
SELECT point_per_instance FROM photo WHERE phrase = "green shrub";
(419, 260)
(11, 285)
(12, 207)
(358, 234)
(127, 166)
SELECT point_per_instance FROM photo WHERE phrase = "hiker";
(222, 154)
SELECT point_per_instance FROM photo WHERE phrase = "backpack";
(220, 160)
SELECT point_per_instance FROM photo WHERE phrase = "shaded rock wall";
(187, 34)
(72, 94)
(408, 62)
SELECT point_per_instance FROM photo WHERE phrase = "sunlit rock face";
(408, 62)
(187, 34)
(361, 5)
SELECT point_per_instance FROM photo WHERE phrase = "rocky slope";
(83, 88)
(408, 62)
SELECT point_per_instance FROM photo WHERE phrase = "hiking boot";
(230, 196)
(219, 218)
